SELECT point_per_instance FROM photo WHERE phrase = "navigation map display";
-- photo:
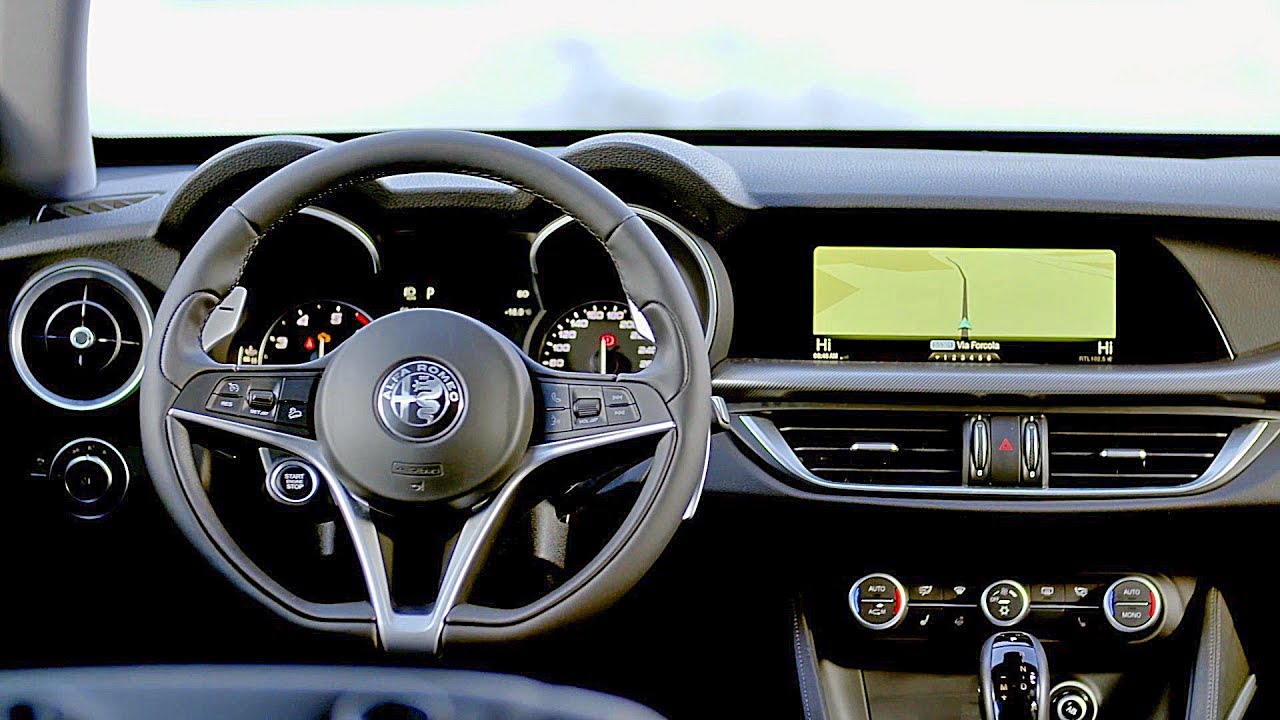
(965, 304)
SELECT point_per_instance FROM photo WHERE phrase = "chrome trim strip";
(76, 270)
(350, 228)
(417, 631)
(1238, 445)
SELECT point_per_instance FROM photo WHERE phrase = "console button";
(1072, 700)
(1005, 603)
(1132, 604)
(1006, 452)
(925, 592)
(1046, 593)
(1079, 592)
(878, 601)
(958, 593)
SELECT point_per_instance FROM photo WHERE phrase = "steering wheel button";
(231, 387)
(623, 415)
(262, 399)
(586, 407)
(294, 413)
(588, 422)
(555, 396)
(296, 389)
(557, 421)
(617, 397)
(224, 404)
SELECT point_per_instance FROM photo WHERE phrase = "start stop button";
(293, 482)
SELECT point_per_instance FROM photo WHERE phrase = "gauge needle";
(321, 345)
(604, 351)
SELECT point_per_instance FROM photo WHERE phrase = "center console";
(1088, 646)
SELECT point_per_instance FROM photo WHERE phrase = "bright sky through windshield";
(177, 68)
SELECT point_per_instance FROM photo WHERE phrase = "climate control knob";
(1005, 603)
(878, 601)
(1133, 604)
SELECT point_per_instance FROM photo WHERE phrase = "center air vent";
(77, 335)
(1134, 451)
(867, 448)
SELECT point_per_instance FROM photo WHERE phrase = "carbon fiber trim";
(744, 380)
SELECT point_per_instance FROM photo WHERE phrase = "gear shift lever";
(1014, 677)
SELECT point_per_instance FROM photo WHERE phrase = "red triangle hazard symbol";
(1005, 445)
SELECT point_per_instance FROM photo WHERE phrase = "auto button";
(878, 601)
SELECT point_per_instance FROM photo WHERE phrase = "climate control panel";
(1129, 608)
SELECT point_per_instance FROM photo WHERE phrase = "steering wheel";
(430, 407)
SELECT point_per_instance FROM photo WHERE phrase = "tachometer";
(598, 337)
(310, 331)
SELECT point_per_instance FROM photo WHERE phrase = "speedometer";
(598, 337)
(310, 331)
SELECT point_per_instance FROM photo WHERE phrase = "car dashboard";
(954, 393)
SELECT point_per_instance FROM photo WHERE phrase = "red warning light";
(1005, 445)
(309, 344)
(609, 339)
(360, 318)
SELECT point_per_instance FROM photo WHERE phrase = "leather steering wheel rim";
(679, 375)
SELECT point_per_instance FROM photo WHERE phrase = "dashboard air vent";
(1133, 451)
(77, 334)
(89, 206)
(868, 448)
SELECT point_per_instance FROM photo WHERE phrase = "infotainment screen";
(965, 304)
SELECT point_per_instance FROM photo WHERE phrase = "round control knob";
(91, 475)
(1132, 604)
(1005, 603)
(87, 478)
(878, 601)
(1072, 700)
(292, 482)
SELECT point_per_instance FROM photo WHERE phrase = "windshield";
(167, 67)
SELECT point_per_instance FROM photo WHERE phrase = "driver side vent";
(861, 448)
(1133, 451)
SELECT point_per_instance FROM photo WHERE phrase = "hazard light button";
(1006, 450)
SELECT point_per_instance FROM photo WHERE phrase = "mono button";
(1132, 604)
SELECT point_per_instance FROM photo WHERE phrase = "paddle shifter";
(1014, 677)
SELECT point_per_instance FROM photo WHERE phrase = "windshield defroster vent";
(89, 206)
(857, 448)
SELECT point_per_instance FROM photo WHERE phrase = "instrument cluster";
(553, 291)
